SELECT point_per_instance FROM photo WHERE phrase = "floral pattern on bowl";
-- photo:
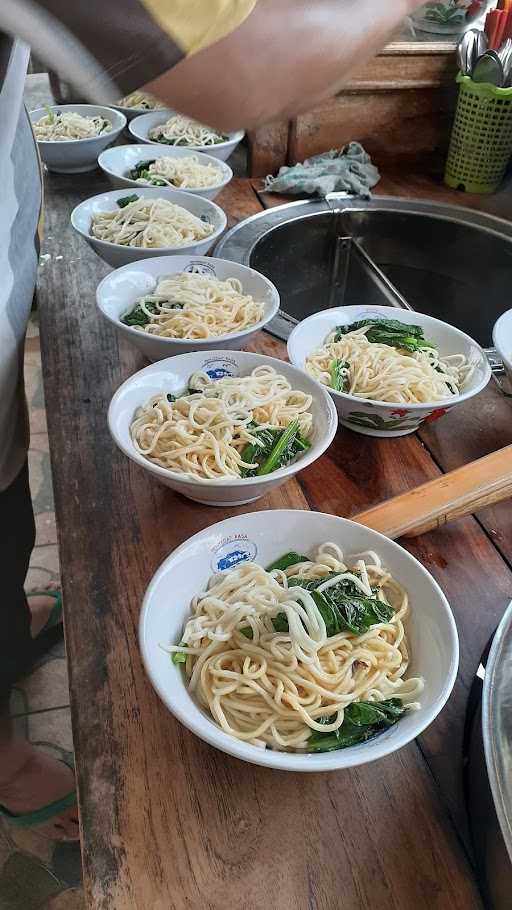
(400, 422)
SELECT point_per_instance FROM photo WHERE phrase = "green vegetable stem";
(339, 371)
(275, 448)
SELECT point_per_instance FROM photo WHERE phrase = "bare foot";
(41, 608)
(38, 781)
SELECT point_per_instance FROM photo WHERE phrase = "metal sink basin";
(445, 261)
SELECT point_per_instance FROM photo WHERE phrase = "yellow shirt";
(195, 24)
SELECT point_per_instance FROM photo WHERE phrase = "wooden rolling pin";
(461, 492)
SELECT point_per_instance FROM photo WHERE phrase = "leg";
(17, 522)
(29, 779)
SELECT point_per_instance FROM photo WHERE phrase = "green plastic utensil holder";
(481, 141)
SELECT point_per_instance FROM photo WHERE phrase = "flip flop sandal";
(44, 814)
(55, 617)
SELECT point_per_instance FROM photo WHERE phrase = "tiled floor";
(37, 874)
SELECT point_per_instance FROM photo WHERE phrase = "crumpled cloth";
(349, 169)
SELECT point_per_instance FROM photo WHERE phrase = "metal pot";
(488, 760)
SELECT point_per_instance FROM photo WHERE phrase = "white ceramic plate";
(172, 376)
(430, 628)
(502, 340)
(78, 155)
(140, 126)
(119, 161)
(116, 254)
(375, 418)
(117, 293)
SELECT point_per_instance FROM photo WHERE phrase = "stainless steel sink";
(446, 261)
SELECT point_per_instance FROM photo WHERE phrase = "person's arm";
(229, 63)
(284, 58)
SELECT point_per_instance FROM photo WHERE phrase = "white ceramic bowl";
(172, 376)
(78, 155)
(502, 340)
(130, 112)
(430, 628)
(116, 254)
(117, 293)
(119, 161)
(376, 418)
(140, 127)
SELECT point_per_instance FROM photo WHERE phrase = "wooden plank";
(394, 124)
(475, 429)
(268, 149)
(463, 491)
(425, 71)
(167, 821)
(401, 69)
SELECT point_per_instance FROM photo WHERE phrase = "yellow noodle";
(204, 434)
(207, 307)
(150, 223)
(183, 173)
(274, 689)
(379, 372)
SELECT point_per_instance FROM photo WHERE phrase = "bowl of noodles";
(298, 640)
(222, 427)
(170, 129)
(502, 339)
(389, 371)
(176, 304)
(175, 168)
(123, 226)
(137, 103)
(71, 136)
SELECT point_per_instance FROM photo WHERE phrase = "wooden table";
(169, 823)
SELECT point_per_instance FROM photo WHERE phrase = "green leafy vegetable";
(52, 115)
(339, 375)
(392, 332)
(247, 631)
(126, 200)
(342, 607)
(179, 657)
(289, 559)
(275, 448)
(141, 169)
(138, 316)
(362, 721)
(280, 622)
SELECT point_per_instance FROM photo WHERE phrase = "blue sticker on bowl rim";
(233, 551)
(219, 368)
(200, 268)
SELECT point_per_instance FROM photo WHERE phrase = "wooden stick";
(431, 505)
